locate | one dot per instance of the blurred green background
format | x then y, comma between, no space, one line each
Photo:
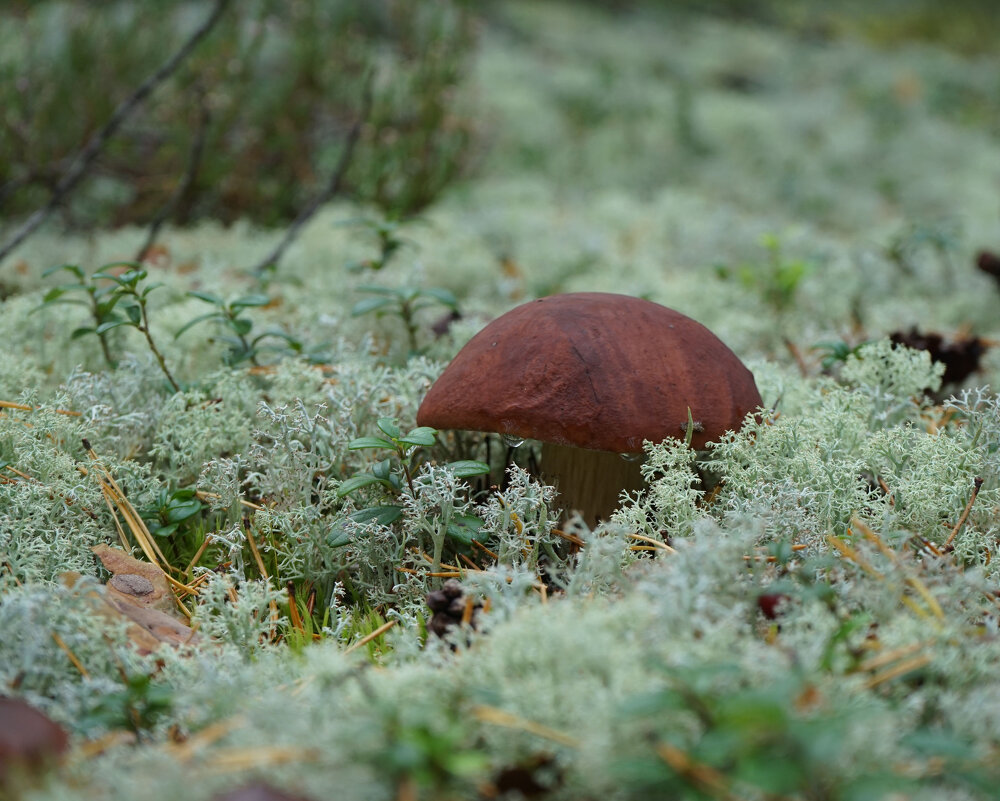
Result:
273,91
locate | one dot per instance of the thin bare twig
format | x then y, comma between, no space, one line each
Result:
333,185
976,486
85,159
194,164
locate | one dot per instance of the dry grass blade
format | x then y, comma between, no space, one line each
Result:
94,748
117,501
500,717
570,537
849,553
900,669
248,529
706,778
976,486
293,608
24,408
214,496
369,637
891,555
197,557
478,544
440,574
255,758
184,752
889,657
72,657
52,494
660,545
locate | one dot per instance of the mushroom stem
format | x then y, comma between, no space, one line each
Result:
589,482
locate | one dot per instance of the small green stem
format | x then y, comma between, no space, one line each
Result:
438,538
406,472
406,312
152,346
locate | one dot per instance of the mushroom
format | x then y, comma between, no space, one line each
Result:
592,376
29,740
257,791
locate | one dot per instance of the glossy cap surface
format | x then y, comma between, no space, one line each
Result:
593,370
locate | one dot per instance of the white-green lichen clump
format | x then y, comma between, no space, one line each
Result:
807,609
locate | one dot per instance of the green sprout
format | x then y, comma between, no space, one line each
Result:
404,303
171,509
122,302
776,280
229,314
99,301
395,474
389,242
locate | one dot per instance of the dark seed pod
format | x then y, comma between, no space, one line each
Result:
989,263
960,357
448,605
771,603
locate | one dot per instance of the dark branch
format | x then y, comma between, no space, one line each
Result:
82,163
333,185
194,164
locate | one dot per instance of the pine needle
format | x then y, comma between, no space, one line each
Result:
242,759
898,670
650,541
976,486
22,407
500,717
72,657
704,776
369,637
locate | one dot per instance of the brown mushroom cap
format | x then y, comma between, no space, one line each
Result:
593,370
28,738
257,791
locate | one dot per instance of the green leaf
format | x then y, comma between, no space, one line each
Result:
369,442
424,435
442,296
109,277
383,470
466,468
104,327
369,305
241,325
465,528
278,333
134,314
163,531
248,301
388,426
199,319
150,287
383,515
938,742
178,510
375,289
356,482
83,331
77,271
338,538
648,704
104,308
208,297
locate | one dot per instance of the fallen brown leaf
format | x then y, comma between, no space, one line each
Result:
136,582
